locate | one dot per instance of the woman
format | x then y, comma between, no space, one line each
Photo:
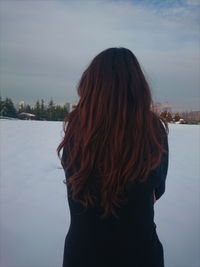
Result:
115,159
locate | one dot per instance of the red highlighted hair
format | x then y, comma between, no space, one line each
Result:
115,134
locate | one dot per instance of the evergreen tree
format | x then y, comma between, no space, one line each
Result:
43,111
1,103
37,110
8,109
61,112
4,110
64,112
28,109
22,108
51,110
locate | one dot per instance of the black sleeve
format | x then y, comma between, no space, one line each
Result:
63,158
64,162
160,189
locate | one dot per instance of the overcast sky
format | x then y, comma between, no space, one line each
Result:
46,45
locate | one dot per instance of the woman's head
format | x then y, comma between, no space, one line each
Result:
115,135
115,81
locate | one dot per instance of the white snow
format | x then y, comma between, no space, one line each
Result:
34,214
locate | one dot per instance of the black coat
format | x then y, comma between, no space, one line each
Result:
130,241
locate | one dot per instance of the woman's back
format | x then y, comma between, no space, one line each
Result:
130,240
115,158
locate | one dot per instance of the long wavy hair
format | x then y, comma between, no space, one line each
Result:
112,135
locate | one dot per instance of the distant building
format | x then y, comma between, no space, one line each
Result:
181,121
70,106
21,104
195,115
26,116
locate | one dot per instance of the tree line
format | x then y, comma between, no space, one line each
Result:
192,117
49,112
54,112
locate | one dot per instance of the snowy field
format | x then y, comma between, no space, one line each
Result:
34,214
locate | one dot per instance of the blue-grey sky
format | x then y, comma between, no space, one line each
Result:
46,45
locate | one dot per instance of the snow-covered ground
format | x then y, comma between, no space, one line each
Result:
34,214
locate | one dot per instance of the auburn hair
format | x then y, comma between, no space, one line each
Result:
112,136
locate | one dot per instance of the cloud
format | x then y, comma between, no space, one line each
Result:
46,45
